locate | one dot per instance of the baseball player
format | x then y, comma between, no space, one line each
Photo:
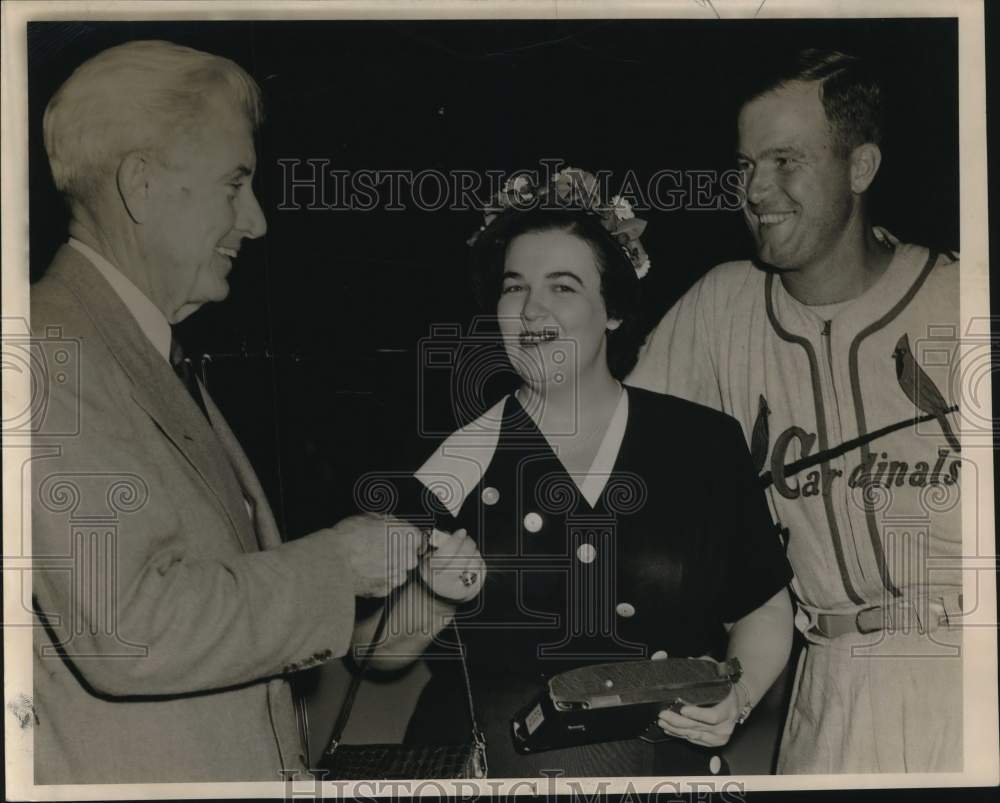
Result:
834,350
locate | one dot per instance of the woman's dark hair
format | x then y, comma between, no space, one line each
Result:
619,283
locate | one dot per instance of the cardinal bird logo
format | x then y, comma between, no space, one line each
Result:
760,438
921,390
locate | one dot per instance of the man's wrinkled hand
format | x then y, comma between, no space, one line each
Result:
380,552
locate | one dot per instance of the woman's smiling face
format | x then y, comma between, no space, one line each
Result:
551,310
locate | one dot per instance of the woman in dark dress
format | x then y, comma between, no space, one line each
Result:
593,522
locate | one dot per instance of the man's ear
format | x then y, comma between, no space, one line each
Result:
133,179
865,162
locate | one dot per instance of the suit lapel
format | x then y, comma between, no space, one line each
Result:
155,387
267,529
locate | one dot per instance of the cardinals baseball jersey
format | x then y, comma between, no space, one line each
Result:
850,416
850,413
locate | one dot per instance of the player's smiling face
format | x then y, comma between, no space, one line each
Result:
797,181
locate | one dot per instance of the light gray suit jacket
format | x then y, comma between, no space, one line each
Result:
168,616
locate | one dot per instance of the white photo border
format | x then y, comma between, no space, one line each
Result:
980,666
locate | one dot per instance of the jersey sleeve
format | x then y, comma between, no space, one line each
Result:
678,357
755,567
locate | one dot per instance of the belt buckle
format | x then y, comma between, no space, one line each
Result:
900,616
862,628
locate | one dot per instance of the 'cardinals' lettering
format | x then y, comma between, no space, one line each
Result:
879,469
806,439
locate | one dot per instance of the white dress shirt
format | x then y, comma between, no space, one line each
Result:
152,322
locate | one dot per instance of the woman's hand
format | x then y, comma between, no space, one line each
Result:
708,726
453,568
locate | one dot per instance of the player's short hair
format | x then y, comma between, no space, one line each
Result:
850,89
136,96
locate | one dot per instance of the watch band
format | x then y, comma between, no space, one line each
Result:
743,696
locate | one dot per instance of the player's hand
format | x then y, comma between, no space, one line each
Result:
453,568
707,726
380,551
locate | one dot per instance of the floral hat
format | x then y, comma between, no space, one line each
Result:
572,188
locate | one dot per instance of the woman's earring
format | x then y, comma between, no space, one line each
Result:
613,323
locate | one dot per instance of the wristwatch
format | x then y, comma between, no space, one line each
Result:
743,695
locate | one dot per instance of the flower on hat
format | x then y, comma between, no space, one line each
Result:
571,188
622,208
576,186
518,185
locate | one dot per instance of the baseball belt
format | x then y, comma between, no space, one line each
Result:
924,614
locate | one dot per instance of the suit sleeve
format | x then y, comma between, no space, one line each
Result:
678,357
137,600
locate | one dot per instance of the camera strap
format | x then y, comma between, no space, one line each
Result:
364,660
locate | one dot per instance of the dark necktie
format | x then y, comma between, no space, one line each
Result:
185,371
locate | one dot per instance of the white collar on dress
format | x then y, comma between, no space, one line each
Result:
458,465
600,470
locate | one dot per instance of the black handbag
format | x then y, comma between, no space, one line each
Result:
358,762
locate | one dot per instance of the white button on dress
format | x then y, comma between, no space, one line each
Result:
625,609
532,522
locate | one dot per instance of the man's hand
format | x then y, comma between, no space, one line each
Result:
453,569
380,552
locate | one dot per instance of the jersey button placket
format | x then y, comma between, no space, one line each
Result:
834,470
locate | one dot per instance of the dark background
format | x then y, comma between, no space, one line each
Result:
315,355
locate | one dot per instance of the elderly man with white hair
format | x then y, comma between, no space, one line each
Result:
169,611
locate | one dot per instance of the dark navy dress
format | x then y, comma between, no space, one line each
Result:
679,541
